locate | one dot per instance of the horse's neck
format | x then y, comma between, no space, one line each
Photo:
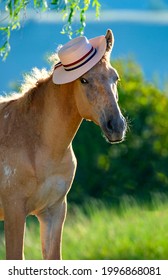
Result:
61,119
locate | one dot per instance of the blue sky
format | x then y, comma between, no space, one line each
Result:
135,4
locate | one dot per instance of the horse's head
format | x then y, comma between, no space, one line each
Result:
97,96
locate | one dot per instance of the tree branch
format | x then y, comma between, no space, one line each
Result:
68,8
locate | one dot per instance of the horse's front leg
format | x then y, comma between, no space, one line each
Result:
51,226
14,217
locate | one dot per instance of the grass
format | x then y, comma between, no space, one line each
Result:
96,231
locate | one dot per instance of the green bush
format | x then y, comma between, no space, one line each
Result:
136,167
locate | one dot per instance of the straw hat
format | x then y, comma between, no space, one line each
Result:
77,57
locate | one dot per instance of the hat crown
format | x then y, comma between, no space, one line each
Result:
77,57
74,50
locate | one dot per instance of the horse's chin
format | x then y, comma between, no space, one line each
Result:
113,138
113,141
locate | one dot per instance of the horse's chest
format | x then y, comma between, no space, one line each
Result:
49,192
54,186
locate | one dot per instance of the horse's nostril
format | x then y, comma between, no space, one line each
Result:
109,125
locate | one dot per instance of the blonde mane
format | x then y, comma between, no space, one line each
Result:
31,80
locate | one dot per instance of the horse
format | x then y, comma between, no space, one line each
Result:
37,162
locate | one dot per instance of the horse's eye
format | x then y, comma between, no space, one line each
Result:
84,81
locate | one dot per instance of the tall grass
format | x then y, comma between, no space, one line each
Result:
97,231
129,232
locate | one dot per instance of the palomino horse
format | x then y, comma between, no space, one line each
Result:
37,162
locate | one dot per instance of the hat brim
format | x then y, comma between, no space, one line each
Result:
61,76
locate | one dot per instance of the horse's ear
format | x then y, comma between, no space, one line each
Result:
110,40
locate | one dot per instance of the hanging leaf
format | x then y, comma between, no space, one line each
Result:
70,9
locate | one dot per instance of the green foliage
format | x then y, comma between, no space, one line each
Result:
15,9
136,167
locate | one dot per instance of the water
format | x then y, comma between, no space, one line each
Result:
146,43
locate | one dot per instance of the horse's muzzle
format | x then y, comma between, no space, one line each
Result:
114,129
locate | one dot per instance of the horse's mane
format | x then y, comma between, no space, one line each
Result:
37,76
31,81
